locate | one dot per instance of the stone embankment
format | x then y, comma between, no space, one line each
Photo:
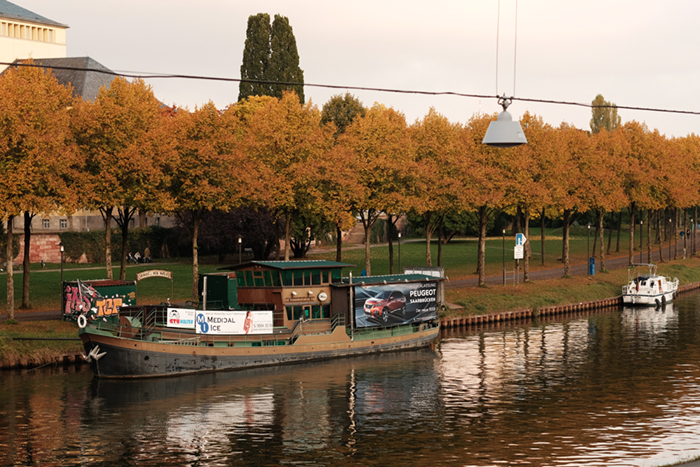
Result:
528,314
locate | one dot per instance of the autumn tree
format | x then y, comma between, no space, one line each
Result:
572,148
386,167
207,169
270,57
119,174
604,115
284,137
602,175
439,156
526,171
341,111
37,161
483,181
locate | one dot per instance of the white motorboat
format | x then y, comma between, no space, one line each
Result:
648,289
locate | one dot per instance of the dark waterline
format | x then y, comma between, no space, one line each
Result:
619,388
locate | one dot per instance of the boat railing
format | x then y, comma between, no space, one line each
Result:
337,320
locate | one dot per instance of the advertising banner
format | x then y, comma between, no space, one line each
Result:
233,322
181,318
393,304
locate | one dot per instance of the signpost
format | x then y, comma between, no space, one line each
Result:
519,253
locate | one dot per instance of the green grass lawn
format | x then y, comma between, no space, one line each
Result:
458,258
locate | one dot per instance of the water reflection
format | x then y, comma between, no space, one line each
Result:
617,388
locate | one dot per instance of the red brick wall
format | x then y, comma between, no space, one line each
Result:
44,246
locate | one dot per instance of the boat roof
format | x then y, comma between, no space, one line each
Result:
285,265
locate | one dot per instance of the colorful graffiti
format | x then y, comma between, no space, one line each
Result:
78,299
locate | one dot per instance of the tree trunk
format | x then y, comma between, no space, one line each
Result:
390,237
9,254
659,240
526,231
26,265
481,256
196,218
441,239
674,232
565,242
649,236
542,234
287,234
516,221
612,219
338,244
125,246
368,228
596,233
107,215
632,209
619,230
692,230
601,233
428,216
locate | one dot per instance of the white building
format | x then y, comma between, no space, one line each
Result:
24,34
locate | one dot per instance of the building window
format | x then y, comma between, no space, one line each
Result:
64,223
131,223
46,223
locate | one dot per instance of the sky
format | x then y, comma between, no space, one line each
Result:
636,53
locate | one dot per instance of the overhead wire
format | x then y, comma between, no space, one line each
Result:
148,75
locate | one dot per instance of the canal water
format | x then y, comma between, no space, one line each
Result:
615,388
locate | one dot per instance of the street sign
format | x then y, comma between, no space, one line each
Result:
520,239
519,251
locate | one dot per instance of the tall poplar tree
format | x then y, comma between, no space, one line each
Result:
270,56
603,115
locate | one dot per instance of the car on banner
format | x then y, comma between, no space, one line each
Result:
385,303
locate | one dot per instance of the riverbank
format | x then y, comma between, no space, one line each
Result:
468,306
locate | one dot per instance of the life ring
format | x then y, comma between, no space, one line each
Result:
82,321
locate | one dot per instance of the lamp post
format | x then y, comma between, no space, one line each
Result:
62,250
240,242
504,256
670,227
588,258
692,238
400,252
641,241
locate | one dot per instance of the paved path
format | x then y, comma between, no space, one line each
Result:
580,269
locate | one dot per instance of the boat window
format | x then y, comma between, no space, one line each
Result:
259,282
268,278
288,278
324,277
289,312
315,277
307,277
325,311
316,312
241,279
299,277
276,278
249,278
335,275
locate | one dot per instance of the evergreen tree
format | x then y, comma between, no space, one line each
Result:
604,115
256,56
284,59
270,55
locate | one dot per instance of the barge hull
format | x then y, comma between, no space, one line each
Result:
128,358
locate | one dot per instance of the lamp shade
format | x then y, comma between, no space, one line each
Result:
504,132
